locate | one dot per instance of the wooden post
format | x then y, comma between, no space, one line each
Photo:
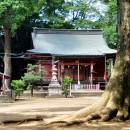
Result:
53,58
111,65
58,71
70,90
73,72
78,74
62,71
105,72
40,68
91,73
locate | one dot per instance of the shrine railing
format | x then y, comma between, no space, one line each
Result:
87,87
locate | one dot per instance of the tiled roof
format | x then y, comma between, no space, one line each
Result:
70,42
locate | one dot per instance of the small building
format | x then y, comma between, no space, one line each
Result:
79,54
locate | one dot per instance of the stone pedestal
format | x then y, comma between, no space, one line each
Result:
36,93
7,96
54,89
9,93
70,96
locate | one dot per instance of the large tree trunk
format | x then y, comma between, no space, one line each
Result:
7,58
115,101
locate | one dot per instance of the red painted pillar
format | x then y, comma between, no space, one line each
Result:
105,71
62,71
78,74
59,71
91,73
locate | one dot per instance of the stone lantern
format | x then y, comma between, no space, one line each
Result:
54,74
54,87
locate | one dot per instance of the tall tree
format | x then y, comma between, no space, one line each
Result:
53,15
69,14
81,13
12,13
115,101
110,24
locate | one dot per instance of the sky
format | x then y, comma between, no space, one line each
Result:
98,5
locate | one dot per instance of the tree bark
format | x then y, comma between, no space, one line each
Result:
7,58
115,101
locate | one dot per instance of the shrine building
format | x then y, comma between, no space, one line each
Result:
79,54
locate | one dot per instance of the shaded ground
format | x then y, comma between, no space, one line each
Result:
48,107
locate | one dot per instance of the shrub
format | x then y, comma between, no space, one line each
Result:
18,86
33,76
66,83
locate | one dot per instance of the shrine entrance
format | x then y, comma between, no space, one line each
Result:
83,70
72,71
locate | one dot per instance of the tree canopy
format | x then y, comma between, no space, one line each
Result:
110,24
12,14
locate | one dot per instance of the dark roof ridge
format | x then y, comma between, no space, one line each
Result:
68,31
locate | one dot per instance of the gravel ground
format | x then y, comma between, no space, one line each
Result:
25,108
46,105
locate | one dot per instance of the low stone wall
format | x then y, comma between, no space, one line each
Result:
6,99
7,96
86,93
36,93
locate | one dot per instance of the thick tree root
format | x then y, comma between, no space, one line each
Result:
24,119
104,110
90,112
104,115
21,121
79,121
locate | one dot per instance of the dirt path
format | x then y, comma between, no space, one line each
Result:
50,106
